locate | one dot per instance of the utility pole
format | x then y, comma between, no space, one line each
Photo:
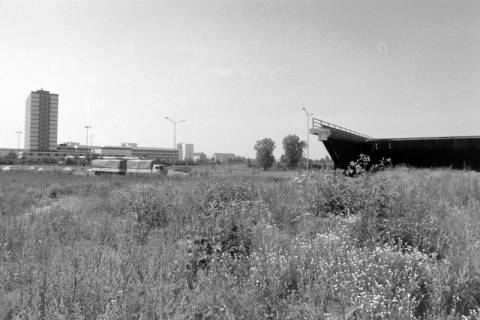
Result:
18,145
174,136
308,114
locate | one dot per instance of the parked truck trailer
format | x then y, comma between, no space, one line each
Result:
123,166
109,166
144,167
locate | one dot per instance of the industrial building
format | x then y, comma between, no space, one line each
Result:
41,121
165,154
72,149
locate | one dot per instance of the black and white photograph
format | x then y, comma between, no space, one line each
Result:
239,159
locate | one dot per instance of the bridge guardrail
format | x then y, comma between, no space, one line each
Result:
317,124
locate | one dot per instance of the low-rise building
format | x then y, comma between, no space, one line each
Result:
165,154
38,155
72,148
113,151
129,144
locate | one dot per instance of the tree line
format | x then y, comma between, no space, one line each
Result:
293,153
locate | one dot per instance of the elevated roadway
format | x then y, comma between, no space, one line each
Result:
345,145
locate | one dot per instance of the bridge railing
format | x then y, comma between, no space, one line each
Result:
317,124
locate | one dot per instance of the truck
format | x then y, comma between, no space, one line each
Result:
124,166
109,166
138,166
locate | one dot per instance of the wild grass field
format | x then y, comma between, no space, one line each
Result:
398,244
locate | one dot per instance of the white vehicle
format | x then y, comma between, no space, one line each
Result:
144,166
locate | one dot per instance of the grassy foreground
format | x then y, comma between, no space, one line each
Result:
398,244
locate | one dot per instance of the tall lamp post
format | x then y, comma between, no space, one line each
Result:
87,127
174,136
18,145
86,150
76,158
308,114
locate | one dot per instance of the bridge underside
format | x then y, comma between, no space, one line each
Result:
345,146
455,152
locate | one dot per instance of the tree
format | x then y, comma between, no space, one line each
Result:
264,149
202,157
12,156
293,148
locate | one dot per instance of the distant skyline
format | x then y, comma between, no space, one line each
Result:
239,71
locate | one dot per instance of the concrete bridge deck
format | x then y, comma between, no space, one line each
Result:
344,146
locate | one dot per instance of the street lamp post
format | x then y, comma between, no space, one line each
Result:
86,150
87,127
18,145
76,158
308,114
174,136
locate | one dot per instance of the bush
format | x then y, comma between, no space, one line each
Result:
334,193
150,206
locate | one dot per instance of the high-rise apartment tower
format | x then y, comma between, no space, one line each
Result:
180,151
41,121
185,151
188,151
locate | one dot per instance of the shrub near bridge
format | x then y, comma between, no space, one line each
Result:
413,210
332,193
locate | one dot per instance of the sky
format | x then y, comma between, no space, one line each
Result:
241,70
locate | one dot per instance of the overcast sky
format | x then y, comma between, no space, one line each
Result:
239,71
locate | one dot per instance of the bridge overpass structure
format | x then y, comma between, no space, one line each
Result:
345,145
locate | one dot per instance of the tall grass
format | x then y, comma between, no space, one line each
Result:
398,244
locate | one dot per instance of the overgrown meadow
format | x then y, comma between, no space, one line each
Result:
397,244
